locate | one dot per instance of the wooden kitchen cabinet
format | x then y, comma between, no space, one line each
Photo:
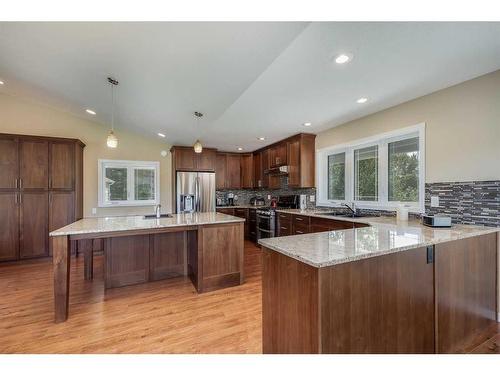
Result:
247,170
252,224
225,210
9,163
185,159
34,240
9,222
264,162
34,164
243,213
220,171
278,154
324,225
42,189
300,224
233,176
283,224
62,165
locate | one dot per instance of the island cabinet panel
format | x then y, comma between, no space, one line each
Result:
220,256
378,305
127,260
168,254
383,304
465,290
290,305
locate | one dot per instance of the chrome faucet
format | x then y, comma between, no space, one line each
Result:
351,208
158,211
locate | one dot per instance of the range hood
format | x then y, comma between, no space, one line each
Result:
282,170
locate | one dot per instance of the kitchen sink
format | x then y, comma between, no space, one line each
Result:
153,216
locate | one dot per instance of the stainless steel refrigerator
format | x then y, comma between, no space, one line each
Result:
195,192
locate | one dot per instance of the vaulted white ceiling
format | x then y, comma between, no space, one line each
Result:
249,79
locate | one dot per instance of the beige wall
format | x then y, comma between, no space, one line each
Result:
24,117
462,129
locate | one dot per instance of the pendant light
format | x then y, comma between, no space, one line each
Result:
112,141
198,148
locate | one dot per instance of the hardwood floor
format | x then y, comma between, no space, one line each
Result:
160,317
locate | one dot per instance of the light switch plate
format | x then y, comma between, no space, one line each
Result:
94,210
312,198
434,201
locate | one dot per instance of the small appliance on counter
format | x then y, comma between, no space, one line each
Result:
257,201
436,221
303,202
230,199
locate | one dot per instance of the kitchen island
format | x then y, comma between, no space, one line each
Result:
206,246
385,288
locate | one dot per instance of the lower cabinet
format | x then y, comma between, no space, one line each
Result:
34,241
252,224
226,210
243,213
9,222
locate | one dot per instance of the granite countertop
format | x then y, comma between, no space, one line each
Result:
242,206
385,235
124,223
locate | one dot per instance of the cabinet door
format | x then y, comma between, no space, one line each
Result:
247,171
34,167
264,162
9,222
167,255
220,171
257,170
61,209
274,182
9,163
227,211
34,224
300,224
278,154
62,156
294,163
206,160
233,177
185,159
284,227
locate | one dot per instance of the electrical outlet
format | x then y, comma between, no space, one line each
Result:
94,210
312,198
435,201
268,196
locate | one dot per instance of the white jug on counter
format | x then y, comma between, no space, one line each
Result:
402,212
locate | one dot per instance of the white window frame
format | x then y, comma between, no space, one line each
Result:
382,140
130,165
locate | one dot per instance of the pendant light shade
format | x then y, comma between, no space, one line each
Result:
198,148
112,141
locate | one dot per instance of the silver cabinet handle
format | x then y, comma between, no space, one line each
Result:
299,219
299,232
283,228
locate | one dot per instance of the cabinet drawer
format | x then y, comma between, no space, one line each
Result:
227,211
300,228
284,217
284,229
241,212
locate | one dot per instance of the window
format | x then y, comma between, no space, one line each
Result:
366,174
128,183
379,172
336,176
403,170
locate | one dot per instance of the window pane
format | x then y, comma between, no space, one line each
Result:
115,184
366,174
336,176
403,170
144,180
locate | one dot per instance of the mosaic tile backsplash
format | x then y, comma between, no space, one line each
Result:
476,202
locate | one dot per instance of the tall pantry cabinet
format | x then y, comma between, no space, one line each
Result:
41,189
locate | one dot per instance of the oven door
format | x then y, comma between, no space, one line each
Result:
265,226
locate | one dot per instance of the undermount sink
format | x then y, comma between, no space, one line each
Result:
343,214
153,216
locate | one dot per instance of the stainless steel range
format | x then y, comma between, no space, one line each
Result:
266,216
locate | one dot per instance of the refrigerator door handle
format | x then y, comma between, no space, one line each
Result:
197,194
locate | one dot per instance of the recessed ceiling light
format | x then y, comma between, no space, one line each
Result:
240,148
1,82
261,139
362,100
90,112
343,58
161,135
307,124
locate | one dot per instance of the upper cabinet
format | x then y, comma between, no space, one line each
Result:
278,154
9,163
185,159
62,155
247,171
34,164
